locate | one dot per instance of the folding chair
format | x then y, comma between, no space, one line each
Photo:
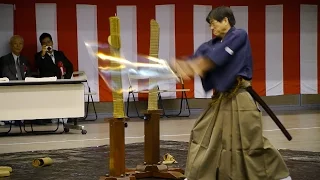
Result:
82,75
76,120
183,90
89,94
132,91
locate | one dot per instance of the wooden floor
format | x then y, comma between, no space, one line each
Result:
304,126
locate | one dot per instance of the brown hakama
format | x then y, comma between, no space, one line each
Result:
226,141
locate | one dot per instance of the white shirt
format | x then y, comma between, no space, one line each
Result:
15,57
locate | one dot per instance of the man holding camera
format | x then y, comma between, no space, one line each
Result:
52,62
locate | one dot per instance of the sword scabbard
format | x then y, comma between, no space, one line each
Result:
269,112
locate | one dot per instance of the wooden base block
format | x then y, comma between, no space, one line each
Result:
152,167
128,177
156,111
117,163
156,171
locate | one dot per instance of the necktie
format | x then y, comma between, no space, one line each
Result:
52,57
18,69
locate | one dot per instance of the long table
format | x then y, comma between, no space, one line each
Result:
23,100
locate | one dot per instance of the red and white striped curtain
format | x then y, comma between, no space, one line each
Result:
284,38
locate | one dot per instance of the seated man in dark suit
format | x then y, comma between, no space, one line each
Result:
14,66
52,62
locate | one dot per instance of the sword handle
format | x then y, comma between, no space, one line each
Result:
269,111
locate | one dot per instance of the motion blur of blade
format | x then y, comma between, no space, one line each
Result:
131,70
137,70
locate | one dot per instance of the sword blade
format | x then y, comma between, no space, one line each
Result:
269,111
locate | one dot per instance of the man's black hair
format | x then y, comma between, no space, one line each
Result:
45,35
219,13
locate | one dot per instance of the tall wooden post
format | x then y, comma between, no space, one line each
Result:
117,124
152,166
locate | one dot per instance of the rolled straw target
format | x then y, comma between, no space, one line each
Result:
41,162
4,173
5,168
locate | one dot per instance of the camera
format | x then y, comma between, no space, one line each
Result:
49,48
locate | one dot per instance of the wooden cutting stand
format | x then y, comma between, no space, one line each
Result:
152,166
118,123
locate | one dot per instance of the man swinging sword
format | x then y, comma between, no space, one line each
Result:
226,141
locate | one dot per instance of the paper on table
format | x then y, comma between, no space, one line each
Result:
4,79
43,79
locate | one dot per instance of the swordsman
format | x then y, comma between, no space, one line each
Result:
226,141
